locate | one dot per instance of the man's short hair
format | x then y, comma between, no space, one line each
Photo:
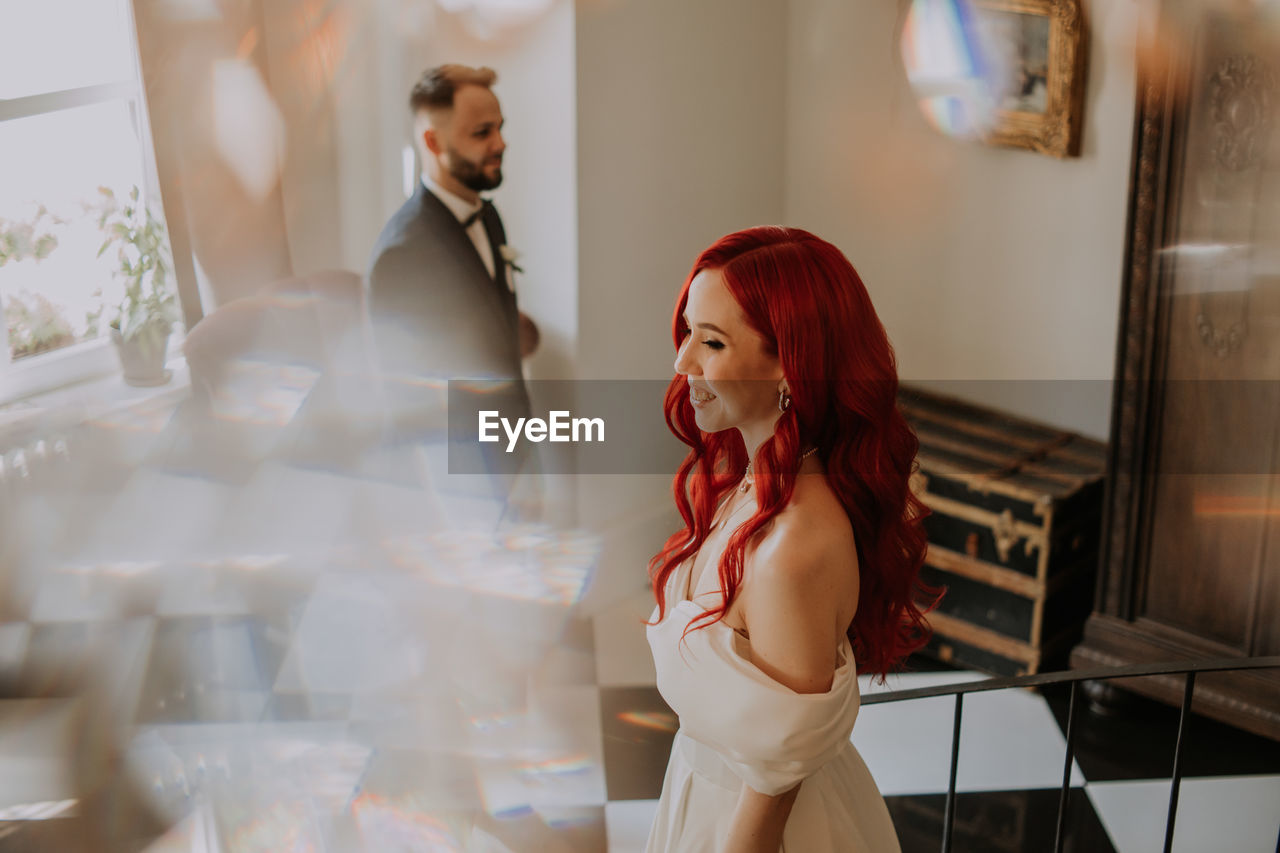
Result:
437,86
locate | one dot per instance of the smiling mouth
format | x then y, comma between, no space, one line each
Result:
699,397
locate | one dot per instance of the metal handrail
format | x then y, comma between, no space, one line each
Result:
1073,677
1171,668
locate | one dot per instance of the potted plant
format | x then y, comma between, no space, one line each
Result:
144,314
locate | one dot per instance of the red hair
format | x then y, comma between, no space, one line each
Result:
806,300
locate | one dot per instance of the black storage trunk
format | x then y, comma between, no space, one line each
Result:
1013,535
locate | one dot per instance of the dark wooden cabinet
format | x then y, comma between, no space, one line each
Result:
1190,563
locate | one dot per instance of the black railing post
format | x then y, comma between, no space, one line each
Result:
1060,837
949,816
1177,761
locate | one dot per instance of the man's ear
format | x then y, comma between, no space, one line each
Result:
431,140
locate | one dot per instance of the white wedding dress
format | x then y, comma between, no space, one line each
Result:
738,726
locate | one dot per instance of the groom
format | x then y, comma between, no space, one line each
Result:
440,288
439,280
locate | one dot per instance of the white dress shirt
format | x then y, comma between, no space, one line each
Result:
462,209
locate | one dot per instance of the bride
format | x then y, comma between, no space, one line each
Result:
800,554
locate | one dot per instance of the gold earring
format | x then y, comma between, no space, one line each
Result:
784,400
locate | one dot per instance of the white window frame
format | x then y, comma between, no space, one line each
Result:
90,359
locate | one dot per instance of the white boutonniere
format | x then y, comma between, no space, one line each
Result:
510,256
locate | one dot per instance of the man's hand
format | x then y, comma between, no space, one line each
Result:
529,336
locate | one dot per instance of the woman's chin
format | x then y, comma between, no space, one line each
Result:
705,422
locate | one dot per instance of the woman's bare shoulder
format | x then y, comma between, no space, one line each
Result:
810,542
800,591
814,521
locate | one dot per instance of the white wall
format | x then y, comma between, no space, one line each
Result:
679,143
984,263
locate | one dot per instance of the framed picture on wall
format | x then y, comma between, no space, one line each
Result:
1037,52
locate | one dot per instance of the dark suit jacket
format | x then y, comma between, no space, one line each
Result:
435,312
435,309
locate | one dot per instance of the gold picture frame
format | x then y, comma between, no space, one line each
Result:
1045,43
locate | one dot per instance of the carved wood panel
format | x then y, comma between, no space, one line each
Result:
1191,552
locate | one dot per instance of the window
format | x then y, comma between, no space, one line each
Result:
72,121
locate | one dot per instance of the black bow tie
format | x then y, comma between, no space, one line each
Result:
471,220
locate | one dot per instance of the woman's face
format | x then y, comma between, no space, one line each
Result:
733,380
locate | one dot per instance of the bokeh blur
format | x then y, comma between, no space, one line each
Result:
244,607
244,603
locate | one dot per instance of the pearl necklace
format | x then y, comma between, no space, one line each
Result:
746,475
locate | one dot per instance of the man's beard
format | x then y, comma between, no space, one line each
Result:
471,175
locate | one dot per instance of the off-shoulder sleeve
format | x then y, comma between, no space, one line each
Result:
771,736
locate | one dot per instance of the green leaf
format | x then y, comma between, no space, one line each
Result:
143,263
45,244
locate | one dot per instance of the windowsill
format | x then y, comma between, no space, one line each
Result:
33,416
